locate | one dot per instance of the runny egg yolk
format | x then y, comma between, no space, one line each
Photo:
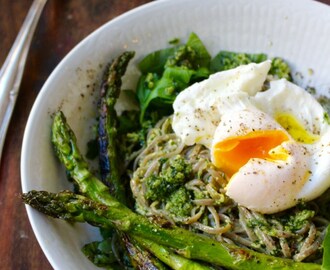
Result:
295,128
232,153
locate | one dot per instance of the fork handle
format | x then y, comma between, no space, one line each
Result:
12,70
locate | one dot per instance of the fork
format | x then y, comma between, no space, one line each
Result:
12,70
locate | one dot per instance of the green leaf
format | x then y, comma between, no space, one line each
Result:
143,90
203,57
326,251
100,253
180,75
167,72
155,61
225,60
163,92
166,89
200,74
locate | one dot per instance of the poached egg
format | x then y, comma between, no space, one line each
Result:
273,145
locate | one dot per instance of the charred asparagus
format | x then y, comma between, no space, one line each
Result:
77,208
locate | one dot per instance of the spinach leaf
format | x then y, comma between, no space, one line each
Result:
167,72
225,60
165,89
155,61
202,58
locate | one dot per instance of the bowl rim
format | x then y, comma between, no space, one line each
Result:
44,90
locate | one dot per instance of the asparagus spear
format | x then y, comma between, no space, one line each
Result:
73,207
110,89
170,258
141,259
66,149
65,146
108,154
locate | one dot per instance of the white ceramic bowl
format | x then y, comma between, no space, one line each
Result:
296,30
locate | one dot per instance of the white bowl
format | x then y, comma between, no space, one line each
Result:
296,30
